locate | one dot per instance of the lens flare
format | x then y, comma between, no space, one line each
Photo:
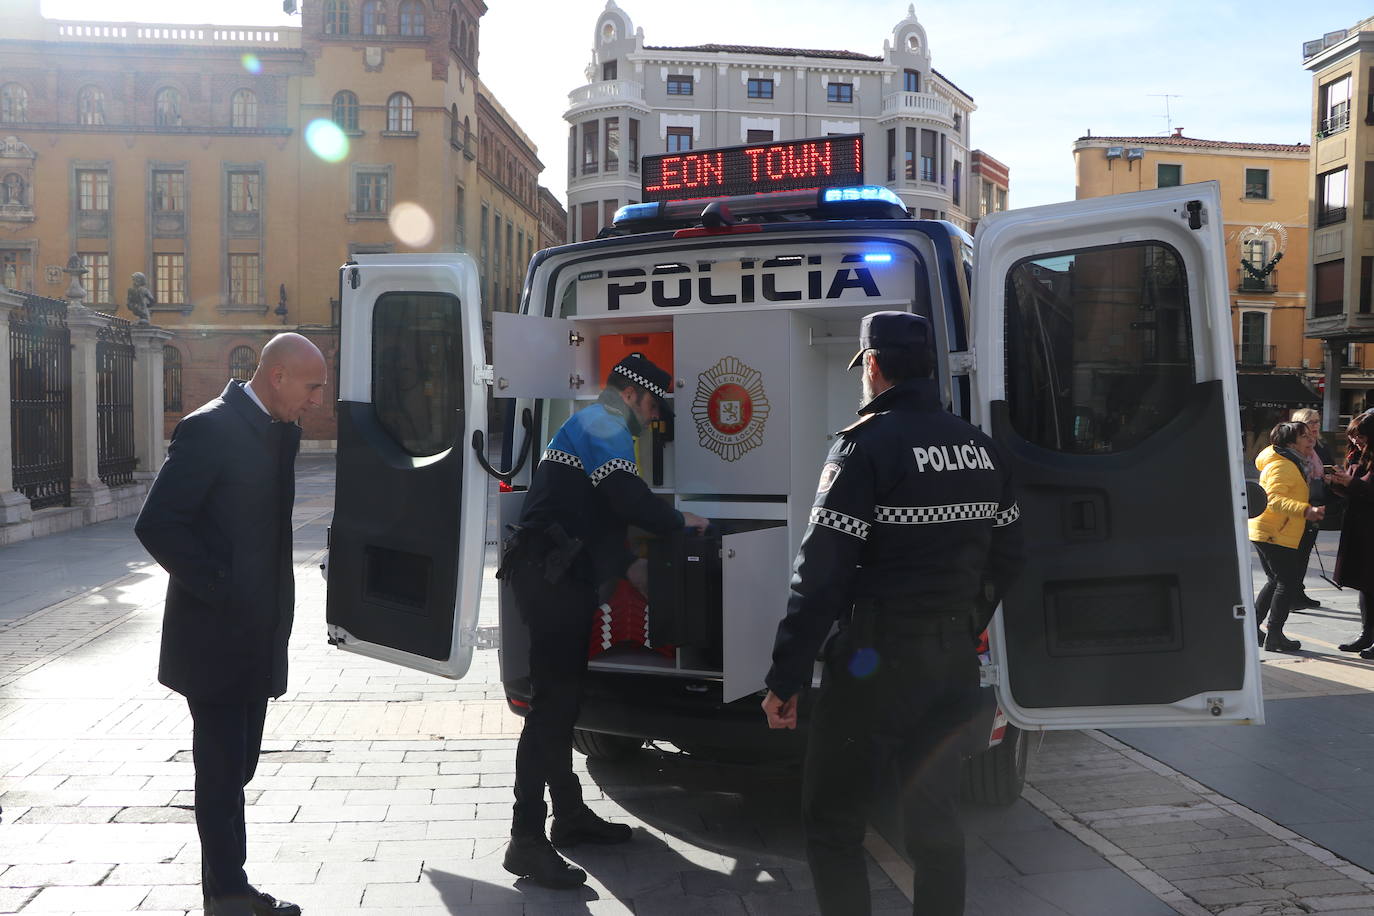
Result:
326,140
411,225
251,63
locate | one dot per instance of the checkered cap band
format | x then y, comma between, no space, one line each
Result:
641,381
934,515
553,454
1007,516
610,467
845,524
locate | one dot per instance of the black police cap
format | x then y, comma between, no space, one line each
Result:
890,331
639,369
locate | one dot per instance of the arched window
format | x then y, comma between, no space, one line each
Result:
346,110
453,29
90,105
462,39
400,112
242,362
453,127
14,104
374,18
167,108
243,109
336,17
467,133
171,379
412,18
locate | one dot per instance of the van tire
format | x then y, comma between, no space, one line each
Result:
997,775
603,746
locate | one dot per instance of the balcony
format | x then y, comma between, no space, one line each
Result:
144,33
1251,357
606,94
1246,283
922,105
1334,124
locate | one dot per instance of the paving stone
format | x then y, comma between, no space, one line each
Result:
86,899
13,899
70,873
68,814
161,815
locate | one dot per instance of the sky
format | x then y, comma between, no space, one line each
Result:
1042,72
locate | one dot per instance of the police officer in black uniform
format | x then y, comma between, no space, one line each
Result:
564,557
913,538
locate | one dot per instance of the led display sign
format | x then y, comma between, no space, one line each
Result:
820,162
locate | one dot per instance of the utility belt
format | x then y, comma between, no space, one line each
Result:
876,620
549,548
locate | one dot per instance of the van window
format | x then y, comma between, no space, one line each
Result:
417,388
1099,346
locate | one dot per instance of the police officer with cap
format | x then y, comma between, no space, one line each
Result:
563,558
913,537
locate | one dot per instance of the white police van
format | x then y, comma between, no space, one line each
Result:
1092,339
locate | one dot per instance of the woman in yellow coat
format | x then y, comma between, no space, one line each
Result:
1277,531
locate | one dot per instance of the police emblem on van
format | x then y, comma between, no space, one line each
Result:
730,408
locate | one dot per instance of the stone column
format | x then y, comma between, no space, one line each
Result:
1333,350
88,490
16,515
148,403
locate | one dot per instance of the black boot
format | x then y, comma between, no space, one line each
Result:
1365,641
587,827
1274,640
534,858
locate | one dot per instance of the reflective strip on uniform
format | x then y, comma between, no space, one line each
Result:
1007,516
615,464
553,454
845,524
935,515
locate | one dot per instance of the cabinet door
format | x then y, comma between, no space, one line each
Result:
754,578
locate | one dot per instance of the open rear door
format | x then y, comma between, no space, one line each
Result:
406,542
1105,369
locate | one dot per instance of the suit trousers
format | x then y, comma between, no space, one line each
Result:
904,705
559,616
226,739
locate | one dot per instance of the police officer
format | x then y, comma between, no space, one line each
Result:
913,538
565,556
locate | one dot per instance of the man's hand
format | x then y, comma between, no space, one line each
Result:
692,520
638,576
780,713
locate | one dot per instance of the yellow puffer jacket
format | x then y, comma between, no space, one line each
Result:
1282,522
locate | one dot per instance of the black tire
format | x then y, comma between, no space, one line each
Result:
997,775
602,746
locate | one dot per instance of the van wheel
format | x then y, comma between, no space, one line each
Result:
603,746
997,775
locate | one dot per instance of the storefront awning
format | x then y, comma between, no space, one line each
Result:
1277,390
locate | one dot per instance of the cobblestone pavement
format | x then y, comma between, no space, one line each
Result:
385,791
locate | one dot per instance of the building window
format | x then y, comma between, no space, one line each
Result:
911,81
680,85
839,92
1255,253
460,230
609,70
346,110
1257,184
958,181
245,280
892,154
167,108
760,89
243,192
679,139
1001,199
169,191
400,112
758,136
1366,282
93,189
612,151
1331,197
171,379
97,280
372,193
484,246
243,109
909,154
1334,107
1328,283
90,106
15,269
336,17
930,144
412,19
589,148
14,104
374,18
243,362
169,278
590,216
634,145
1253,327
1168,176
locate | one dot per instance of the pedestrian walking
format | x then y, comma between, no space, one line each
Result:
1278,530
218,519
563,559
913,539
1355,555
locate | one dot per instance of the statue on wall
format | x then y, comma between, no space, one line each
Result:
140,298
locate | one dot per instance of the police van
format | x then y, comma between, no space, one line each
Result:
1092,339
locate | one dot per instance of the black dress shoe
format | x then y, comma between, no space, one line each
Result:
1261,637
1276,642
587,827
264,904
1304,603
1358,645
536,859
1368,653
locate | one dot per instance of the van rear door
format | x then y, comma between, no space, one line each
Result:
1105,370
407,539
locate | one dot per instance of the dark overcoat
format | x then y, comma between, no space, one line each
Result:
1355,556
218,519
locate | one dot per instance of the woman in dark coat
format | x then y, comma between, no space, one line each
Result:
1355,557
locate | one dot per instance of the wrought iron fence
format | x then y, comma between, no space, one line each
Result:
41,401
114,404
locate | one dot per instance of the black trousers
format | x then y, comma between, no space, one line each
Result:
559,616
1309,541
226,739
910,711
1282,566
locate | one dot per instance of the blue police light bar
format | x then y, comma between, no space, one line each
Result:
633,212
862,192
878,258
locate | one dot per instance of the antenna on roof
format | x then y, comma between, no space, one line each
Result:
1168,116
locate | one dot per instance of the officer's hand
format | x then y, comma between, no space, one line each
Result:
780,713
638,576
692,520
